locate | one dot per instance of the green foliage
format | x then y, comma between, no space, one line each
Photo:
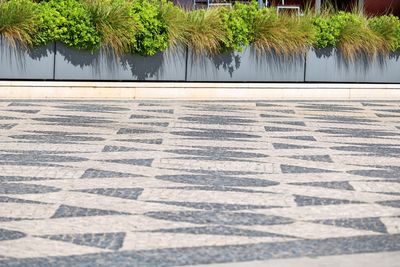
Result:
175,20
152,34
18,21
355,36
150,26
326,33
283,34
238,24
67,21
205,31
389,28
353,33
113,22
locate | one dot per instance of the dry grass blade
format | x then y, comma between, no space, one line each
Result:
113,22
284,35
358,39
175,19
205,31
18,21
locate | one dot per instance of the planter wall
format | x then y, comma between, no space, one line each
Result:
246,66
58,62
19,63
328,65
73,64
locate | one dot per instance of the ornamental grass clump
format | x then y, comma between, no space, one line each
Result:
284,34
353,34
175,20
18,21
356,38
113,22
205,31
388,27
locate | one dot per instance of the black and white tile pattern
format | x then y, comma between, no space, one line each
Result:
151,183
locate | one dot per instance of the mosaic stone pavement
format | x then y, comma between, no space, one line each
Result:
185,183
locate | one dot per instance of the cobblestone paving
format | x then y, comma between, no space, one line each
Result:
184,183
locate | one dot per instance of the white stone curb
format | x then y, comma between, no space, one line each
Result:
196,91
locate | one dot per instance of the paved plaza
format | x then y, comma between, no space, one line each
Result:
164,183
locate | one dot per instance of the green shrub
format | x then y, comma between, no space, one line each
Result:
151,34
67,21
238,24
18,21
389,28
326,33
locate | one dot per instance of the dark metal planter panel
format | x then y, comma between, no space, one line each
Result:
73,64
246,66
19,63
327,65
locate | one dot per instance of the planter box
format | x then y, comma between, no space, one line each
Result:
328,65
246,66
73,64
19,63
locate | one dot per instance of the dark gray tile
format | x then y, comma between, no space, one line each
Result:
112,241
222,218
128,193
320,158
215,206
391,203
281,129
209,180
300,169
65,211
219,230
370,224
6,199
300,137
316,201
137,162
215,134
342,185
94,173
289,146
19,188
10,235
135,131
219,120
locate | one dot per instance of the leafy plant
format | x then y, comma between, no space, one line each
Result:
326,33
152,34
18,21
238,24
113,22
388,27
66,21
205,31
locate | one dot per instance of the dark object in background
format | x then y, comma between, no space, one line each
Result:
372,7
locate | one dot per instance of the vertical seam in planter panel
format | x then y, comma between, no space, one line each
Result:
305,66
54,61
186,63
